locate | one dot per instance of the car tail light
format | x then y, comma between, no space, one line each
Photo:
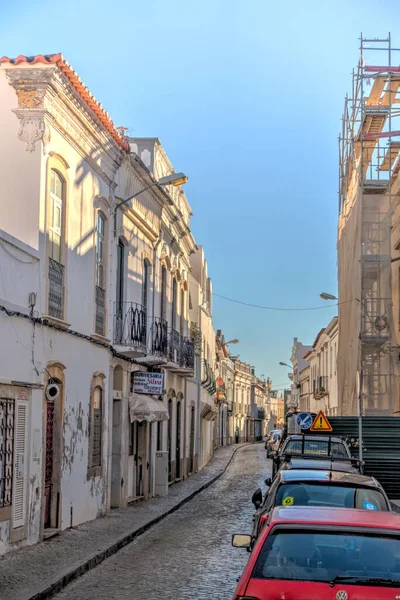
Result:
246,598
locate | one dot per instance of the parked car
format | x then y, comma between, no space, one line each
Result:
330,553
311,446
301,487
310,463
271,440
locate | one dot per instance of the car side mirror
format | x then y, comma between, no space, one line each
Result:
268,482
257,498
241,540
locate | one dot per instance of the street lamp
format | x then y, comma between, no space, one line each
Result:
235,341
326,296
175,179
283,364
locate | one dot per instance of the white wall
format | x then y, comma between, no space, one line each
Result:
20,174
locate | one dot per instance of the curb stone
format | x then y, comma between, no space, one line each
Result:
75,571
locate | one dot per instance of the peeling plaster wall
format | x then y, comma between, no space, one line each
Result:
86,497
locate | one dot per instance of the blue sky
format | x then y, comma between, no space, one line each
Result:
246,97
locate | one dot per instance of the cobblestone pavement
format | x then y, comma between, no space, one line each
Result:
189,554
30,571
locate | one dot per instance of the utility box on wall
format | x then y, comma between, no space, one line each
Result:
161,474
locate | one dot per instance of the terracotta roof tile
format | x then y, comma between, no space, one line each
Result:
77,84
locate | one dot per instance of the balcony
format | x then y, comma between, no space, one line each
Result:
156,352
208,378
320,387
130,329
180,354
168,349
255,412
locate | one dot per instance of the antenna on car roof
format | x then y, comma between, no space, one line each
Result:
330,471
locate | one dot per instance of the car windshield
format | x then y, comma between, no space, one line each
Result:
276,435
315,494
324,556
316,448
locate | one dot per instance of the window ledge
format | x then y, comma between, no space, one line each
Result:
94,472
5,513
56,321
101,338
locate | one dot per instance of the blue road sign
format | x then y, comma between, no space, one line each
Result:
304,420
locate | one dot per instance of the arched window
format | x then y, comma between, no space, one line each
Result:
56,245
163,307
174,302
120,274
145,283
100,237
96,425
182,312
100,274
57,193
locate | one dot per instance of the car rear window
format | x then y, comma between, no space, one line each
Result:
316,448
322,556
317,494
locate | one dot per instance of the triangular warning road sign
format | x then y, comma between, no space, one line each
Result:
321,423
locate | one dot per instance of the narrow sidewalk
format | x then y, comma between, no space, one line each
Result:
38,572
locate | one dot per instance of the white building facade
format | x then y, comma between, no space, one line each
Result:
224,374
204,386
323,370
93,299
298,361
54,297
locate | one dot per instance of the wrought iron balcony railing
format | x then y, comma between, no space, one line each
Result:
321,387
130,325
173,346
208,378
159,337
187,353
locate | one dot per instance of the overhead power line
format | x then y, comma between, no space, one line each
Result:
277,307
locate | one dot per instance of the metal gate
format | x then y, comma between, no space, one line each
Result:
49,461
381,447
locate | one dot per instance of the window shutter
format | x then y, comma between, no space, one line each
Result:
19,465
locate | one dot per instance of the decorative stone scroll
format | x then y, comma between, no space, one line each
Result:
32,130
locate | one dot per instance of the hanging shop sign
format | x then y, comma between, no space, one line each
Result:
148,383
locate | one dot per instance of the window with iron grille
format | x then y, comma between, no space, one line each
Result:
96,428
56,289
163,307
100,276
7,416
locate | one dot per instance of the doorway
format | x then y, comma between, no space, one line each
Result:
49,462
139,435
116,455
170,440
53,450
178,442
191,441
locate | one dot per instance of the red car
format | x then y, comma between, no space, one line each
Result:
323,554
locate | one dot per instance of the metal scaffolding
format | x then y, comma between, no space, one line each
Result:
369,148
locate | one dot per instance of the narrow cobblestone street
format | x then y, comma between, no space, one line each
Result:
188,555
